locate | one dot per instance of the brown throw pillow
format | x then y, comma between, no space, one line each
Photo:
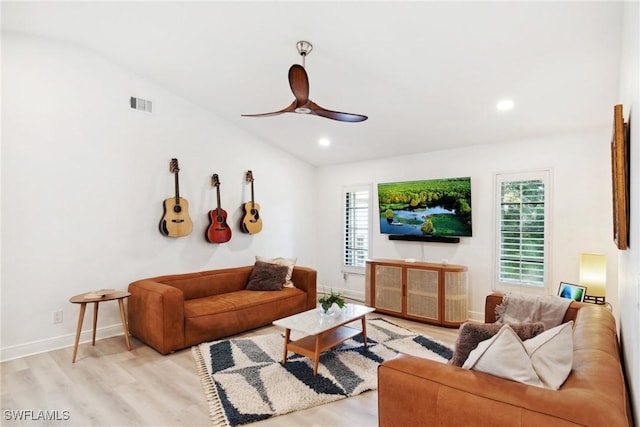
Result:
289,262
267,277
470,334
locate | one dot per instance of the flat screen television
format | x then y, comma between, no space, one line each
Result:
435,207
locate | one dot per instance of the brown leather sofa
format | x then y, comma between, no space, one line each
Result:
413,391
177,311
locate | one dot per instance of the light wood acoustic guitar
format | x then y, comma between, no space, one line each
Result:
175,221
218,231
251,223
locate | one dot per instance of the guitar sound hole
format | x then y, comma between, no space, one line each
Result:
177,208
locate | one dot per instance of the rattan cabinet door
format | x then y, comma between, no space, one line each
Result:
388,291
455,296
422,293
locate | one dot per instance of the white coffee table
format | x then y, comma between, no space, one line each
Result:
322,332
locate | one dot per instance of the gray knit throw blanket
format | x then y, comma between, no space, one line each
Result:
525,308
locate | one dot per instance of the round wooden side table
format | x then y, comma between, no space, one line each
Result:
83,301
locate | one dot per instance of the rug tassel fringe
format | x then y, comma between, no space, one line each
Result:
216,412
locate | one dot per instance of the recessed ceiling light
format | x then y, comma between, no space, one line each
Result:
505,105
324,142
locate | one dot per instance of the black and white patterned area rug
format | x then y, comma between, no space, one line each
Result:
245,381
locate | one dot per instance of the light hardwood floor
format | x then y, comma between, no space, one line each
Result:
110,386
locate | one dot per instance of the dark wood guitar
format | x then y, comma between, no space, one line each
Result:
175,221
251,223
218,231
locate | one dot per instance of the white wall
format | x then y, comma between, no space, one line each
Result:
580,208
629,275
84,177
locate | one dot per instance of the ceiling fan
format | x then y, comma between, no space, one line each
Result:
299,83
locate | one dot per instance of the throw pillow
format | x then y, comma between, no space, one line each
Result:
504,356
289,262
471,333
542,361
267,277
551,354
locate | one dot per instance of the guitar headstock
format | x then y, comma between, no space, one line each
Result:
173,166
215,182
249,176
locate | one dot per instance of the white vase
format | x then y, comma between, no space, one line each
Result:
328,312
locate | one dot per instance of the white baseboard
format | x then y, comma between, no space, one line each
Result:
347,293
55,343
64,341
477,316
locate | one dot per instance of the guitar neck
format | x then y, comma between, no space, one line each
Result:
218,197
252,200
177,188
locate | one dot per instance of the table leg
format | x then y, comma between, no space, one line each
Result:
364,331
95,322
287,335
316,358
83,306
123,316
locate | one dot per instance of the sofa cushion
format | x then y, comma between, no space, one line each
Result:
472,333
543,361
235,312
267,277
289,262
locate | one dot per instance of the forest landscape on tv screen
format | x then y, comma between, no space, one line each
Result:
435,207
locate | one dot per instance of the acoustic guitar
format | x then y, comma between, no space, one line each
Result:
175,221
251,223
218,231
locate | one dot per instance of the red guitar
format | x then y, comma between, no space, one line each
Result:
218,231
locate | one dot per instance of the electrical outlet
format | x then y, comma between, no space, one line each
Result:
57,316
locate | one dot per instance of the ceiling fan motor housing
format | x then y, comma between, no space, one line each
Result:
304,48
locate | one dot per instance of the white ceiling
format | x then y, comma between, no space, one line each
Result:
428,74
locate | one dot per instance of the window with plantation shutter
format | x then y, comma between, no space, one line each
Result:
522,225
356,228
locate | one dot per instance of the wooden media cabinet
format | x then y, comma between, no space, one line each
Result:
426,292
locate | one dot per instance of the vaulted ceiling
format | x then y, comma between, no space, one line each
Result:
427,74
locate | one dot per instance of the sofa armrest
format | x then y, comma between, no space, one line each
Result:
304,278
156,315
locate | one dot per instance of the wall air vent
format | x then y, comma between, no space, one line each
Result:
140,104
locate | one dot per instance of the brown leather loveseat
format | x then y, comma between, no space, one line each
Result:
420,392
177,311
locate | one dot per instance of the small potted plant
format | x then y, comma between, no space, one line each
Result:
327,300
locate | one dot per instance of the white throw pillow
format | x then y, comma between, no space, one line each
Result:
289,262
504,356
551,354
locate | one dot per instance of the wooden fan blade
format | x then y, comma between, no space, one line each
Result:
299,83
290,109
335,115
